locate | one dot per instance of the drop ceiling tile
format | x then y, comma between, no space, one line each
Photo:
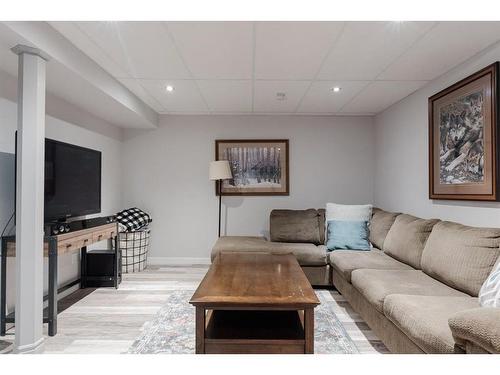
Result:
321,99
265,99
133,85
215,50
292,50
365,49
184,98
445,46
227,95
287,54
379,95
143,49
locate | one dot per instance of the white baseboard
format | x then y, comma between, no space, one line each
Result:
30,348
176,261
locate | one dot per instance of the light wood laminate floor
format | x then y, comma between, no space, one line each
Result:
107,321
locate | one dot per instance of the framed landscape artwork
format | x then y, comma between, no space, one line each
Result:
259,167
464,139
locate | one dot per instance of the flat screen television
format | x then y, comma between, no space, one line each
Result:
72,181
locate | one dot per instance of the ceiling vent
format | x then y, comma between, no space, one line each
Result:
280,96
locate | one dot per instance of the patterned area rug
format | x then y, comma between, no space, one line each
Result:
172,329
5,346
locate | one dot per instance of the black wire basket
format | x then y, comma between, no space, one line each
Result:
134,247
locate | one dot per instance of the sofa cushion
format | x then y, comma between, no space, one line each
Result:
461,256
424,319
407,237
376,285
379,226
301,226
307,254
346,261
478,327
239,243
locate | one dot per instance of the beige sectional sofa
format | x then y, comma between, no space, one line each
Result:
417,288
301,232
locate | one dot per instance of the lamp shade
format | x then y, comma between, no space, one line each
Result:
219,170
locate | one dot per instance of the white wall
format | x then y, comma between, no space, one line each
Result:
401,178
166,173
110,146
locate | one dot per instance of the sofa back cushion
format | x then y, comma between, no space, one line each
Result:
296,226
461,256
406,239
379,226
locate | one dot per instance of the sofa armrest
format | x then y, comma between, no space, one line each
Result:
477,330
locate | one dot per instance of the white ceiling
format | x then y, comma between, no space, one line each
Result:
238,67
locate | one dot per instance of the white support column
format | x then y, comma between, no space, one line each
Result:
30,198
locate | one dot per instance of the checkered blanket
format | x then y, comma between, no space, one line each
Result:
132,219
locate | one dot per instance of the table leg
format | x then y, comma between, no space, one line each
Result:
3,286
116,261
200,330
309,331
83,267
52,287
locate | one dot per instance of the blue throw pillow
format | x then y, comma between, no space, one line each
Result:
348,235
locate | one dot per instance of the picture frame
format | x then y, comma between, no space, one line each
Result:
464,139
259,166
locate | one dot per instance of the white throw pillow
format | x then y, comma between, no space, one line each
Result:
348,212
489,295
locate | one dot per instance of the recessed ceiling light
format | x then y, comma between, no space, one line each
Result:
170,88
335,89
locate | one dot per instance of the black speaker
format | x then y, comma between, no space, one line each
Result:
100,266
55,228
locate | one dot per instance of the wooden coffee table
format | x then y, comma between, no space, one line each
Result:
254,303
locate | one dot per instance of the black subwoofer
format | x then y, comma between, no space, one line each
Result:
100,268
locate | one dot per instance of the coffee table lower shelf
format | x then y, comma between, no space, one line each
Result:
254,331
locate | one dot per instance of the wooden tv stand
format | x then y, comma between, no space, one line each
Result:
54,246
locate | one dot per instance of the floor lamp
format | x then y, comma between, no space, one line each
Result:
218,171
